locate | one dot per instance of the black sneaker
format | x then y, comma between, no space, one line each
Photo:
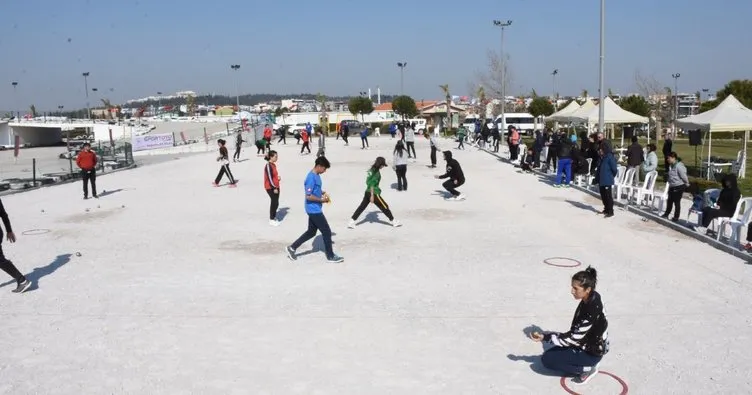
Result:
22,287
290,253
664,216
335,259
86,198
583,378
609,215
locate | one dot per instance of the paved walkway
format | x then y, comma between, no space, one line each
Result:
183,288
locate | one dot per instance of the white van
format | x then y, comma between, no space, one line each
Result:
524,122
420,124
469,123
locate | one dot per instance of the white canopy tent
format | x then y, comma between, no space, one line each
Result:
574,115
561,114
612,114
729,116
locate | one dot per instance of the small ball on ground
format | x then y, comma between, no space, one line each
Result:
78,254
87,210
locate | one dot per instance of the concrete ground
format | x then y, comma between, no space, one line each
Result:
183,288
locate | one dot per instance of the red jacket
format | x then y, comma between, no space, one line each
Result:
267,133
86,160
304,136
271,177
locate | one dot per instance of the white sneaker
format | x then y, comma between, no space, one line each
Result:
396,223
351,224
461,197
273,222
451,198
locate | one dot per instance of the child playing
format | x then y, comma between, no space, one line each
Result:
306,138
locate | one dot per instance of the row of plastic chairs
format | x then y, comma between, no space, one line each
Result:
741,217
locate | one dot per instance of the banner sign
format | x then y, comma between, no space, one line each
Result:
152,141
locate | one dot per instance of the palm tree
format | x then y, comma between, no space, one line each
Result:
445,89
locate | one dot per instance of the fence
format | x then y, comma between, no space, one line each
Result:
49,165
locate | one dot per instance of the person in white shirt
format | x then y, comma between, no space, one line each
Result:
434,148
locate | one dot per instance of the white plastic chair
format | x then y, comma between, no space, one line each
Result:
707,197
662,199
627,184
647,191
739,220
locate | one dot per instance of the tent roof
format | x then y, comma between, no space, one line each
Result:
570,108
574,115
729,116
612,114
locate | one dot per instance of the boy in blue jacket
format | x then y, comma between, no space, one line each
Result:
606,174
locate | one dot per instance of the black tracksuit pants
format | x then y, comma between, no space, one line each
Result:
450,186
607,197
433,156
674,201
305,147
236,156
274,203
8,266
89,176
411,147
378,201
225,169
401,171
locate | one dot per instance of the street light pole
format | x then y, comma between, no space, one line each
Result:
86,88
15,99
503,25
676,76
236,67
553,93
159,103
402,66
60,111
602,76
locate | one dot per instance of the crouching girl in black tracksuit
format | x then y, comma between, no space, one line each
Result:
455,175
579,351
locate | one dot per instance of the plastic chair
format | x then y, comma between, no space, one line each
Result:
625,184
584,180
662,199
707,198
647,191
739,220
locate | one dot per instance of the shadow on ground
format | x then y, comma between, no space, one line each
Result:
373,218
110,192
40,272
534,360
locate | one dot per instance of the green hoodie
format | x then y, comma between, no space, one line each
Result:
372,181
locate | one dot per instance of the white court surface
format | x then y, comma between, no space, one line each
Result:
182,288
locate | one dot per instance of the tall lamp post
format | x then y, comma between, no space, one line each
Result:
601,71
676,76
553,92
705,91
95,90
86,88
236,67
60,111
402,66
503,25
159,103
15,99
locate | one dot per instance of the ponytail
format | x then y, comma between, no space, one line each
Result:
270,155
587,278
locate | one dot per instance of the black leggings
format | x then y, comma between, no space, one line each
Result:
450,186
364,141
378,201
260,148
433,155
411,147
282,138
552,156
709,214
8,266
461,144
607,197
401,171
275,203
225,169
237,152
305,147
674,200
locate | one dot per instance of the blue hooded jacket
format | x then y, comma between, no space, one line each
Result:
607,169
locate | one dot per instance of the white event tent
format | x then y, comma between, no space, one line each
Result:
612,114
561,114
729,116
574,115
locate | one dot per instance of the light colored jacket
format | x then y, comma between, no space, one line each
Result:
651,162
677,175
400,160
409,135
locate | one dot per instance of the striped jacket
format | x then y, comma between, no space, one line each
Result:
271,177
589,330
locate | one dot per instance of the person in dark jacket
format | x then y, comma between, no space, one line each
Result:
224,159
538,145
6,265
605,176
725,206
565,161
579,351
496,136
553,144
238,146
668,146
87,162
455,177
635,157
485,133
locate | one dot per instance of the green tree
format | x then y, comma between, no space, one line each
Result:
741,89
404,106
636,104
540,106
360,105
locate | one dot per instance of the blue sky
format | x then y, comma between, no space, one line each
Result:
338,47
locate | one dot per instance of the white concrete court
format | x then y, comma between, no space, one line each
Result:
183,288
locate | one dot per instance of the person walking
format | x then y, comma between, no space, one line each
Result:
579,351
306,140
271,185
400,165
635,157
565,161
677,183
322,143
455,177
346,134
224,159
238,146
373,194
364,138
461,134
282,131
87,162
434,148
268,132
22,283
410,141
725,205
314,197
605,175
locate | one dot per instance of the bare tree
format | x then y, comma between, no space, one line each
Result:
649,87
490,80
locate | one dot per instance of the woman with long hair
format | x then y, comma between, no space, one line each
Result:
271,185
400,165
373,194
224,159
579,351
